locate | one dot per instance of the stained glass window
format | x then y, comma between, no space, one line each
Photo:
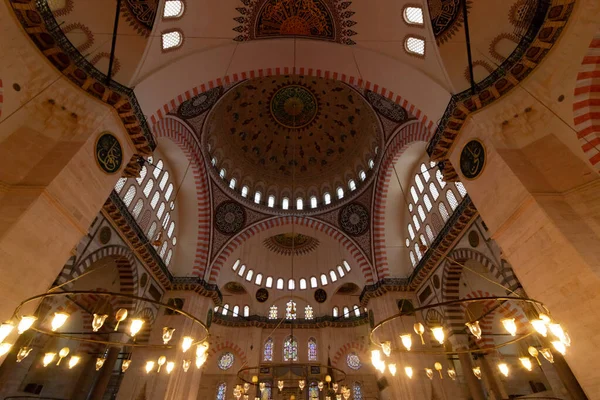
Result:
222,391
290,349
225,361
353,361
268,350
313,391
266,394
290,310
357,391
308,312
312,349
273,312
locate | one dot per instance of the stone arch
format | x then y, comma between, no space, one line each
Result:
180,134
266,224
454,315
410,133
587,101
228,345
343,350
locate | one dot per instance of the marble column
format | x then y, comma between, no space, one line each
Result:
473,384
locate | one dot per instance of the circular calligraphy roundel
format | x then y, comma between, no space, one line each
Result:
109,153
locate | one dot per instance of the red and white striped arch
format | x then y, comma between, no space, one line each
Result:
349,347
227,345
333,232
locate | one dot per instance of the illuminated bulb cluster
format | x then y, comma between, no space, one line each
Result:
544,325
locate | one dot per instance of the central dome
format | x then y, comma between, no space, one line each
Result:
292,136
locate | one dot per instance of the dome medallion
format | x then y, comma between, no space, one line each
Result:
294,106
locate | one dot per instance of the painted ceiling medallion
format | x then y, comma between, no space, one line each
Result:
286,243
294,106
354,219
320,295
230,217
446,18
200,103
109,153
317,19
140,14
387,108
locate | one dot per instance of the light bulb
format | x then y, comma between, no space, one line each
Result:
547,355
319,385
125,365
48,358
170,367
280,385
161,361
477,372
533,352
200,360
62,354
136,326
5,348
452,374
560,347
254,379
438,368
186,365
545,318
98,321
5,330
409,372
387,348
25,323
503,367
526,362
406,341
328,378
438,334
510,326
429,373
23,353
540,327
120,317
100,363
167,334
392,368
560,334
59,320
73,361
149,366
187,342
475,329
419,330
301,384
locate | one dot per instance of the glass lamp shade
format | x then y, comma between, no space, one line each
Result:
62,354
381,366
392,368
59,320
5,348
186,365
452,374
338,397
477,372
328,378
429,373
73,361
301,384
149,366
167,334
319,385
170,367
533,352
547,355
475,329
98,321
23,353
438,368
406,341
136,326
100,363
540,326
48,358
5,330
559,333
200,360
419,330
503,367
335,387
237,392
161,361
26,322
510,326
386,347
120,316
545,318
262,386
280,385
526,363
125,365
409,372
438,334
560,347
246,387
254,379
201,349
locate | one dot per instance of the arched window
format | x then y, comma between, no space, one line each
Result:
258,280
299,203
443,212
268,350
429,233
451,199
346,265
412,259
313,282
152,230
173,9
168,259
356,311
269,282
336,311
171,230
434,192
257,197
245,191
143,173
222,173
161,210
371,164
249,275
158,169
421,213
236,264
340,193
308,312
440,178
242,270
271,201
290,349
291,284
236,311
327,198
129,195
290,310
163,249
164,180
171,40
346,312
416,222
411,233
120,184
419,184
332,276
414,16
362,175
323,280
285,203
222,391
154,201
425,173
351,184
313,202
357,391
414,195
415,45
213,161
302,284
138,208
148,188
340,271
232,183
246,311
312,349
280,284
225,309
461,189
418,251
422,238
273,312
427,202
169,192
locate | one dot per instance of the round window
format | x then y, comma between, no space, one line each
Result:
353,361
225,361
